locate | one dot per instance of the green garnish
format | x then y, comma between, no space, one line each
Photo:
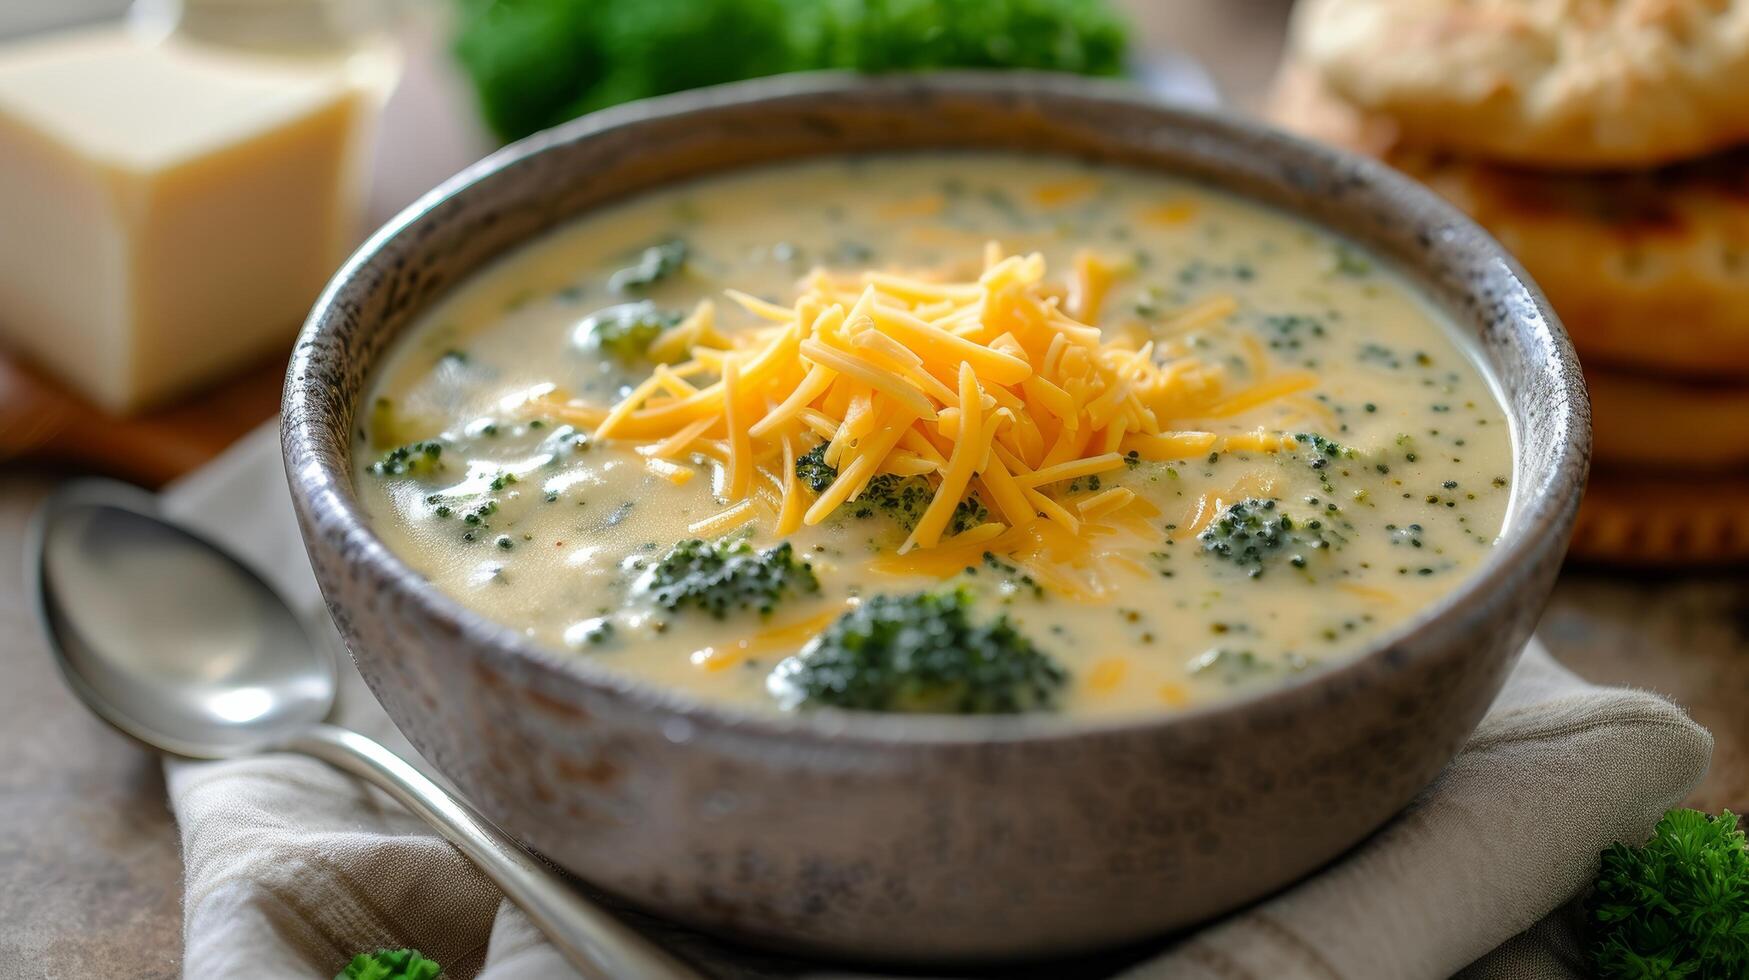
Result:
413,459
920,653
905,498
1318,451
1235,666
812,469
390,964
654,264
537,63
902,498
1013,580
1254,534
1676,906
1351,263
598,632
626,331
726,575
1083,36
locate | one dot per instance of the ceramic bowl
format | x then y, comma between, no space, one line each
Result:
920,838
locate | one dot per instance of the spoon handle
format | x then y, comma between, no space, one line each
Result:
592,940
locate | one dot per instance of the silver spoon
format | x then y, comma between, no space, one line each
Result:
167,637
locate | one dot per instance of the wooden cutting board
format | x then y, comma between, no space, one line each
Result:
41,421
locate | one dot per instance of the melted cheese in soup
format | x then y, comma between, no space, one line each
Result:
1303,457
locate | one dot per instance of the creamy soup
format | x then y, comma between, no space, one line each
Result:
950,434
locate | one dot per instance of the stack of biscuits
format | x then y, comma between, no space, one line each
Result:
1605,143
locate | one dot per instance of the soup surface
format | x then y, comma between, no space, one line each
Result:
1269,452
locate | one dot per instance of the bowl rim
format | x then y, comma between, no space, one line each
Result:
328,507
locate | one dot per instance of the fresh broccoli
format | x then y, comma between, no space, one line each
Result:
654,264
1083,36
725,575
905,498
902,498
1319,452
413,459
624,332
967,514
812,469
1677,905
1323,456
920,653
390,964
1254,534
536,63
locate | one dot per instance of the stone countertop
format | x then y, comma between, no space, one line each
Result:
90,868
89,862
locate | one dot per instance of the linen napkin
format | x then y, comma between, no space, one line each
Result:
291,867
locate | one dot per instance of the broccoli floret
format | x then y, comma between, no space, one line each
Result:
529,60
1254,534
905,498
902,498
1677,905
813,470
904,35
920,653
390,964
413,459
969,513
1318,451
654,264
536,63
1321,455
624,332
726,575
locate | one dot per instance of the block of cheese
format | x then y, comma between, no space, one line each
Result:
168,210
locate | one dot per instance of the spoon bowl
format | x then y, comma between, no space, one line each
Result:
168,637
175,642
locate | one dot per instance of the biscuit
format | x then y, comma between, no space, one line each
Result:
1649,271
1666,520
1663,426
1299,100
1567,84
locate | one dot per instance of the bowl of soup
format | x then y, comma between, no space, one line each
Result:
941,517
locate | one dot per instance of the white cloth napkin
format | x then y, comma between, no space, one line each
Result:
292,867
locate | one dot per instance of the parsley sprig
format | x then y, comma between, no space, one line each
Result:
1676,906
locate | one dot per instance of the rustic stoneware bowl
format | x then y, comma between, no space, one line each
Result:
906,837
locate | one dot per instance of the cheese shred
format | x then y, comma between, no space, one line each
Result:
995,387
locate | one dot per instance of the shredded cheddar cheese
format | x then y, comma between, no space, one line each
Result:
989,386
1107,674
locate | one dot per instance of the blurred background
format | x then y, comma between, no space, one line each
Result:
143,327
